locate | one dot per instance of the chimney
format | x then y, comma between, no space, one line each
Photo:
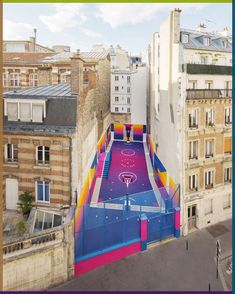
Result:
201,28
175,16
33,41
76,73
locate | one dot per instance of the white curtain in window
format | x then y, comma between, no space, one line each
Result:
12,111
25,111
37,113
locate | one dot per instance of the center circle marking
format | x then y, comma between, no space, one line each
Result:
128,152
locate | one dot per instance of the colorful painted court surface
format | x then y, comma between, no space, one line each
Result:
128,164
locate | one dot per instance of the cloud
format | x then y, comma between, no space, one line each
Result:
91,33
16,30
118,14
66,16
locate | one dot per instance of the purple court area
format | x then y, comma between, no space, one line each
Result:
128,160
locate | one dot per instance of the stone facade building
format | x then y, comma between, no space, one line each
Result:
51,132
190,117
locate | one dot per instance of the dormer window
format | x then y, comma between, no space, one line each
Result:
225,43
184,38
26,110
206,41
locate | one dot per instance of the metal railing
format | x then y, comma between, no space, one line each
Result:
208,93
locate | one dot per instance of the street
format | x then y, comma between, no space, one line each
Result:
166,267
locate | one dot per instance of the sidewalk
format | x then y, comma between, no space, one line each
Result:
168,266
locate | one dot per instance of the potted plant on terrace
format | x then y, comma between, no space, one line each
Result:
25,204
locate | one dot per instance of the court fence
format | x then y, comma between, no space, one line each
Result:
116,228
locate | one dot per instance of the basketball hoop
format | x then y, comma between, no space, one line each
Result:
127,179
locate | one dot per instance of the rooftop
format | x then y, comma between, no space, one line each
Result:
61,110
58,90
65,56
196,41
25,57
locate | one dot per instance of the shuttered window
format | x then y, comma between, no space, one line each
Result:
12,111
228,145
25,111
37,113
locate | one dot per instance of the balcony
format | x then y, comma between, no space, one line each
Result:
208,93
209,155
208,186
207,69
193,126
193,157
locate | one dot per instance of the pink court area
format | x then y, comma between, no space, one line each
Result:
128,162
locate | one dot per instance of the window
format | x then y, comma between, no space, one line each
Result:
33,80
128,109
43,191
46,220
228,175
209,117
37,113
116,78
193,118
4,80
116,88
228,145
14,80
128,89
208,206
116,109
209,179
228,115
227,201
209,150
225,43
209,85
116,99
25,111
11,153
128,79
192,84
128,100
206,41
193,182
43,155
204,60
184,38
228,89
12,111
193,150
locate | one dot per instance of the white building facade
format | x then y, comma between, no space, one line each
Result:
190,105
128,88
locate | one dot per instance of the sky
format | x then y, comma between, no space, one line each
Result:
130,25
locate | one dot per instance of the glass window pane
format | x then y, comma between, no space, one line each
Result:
39,221
47,221
47,191
40,158
40,190
57,220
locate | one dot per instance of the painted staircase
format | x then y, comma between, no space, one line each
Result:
107,165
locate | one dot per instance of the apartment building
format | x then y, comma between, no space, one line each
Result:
190,115
51,133
128,87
